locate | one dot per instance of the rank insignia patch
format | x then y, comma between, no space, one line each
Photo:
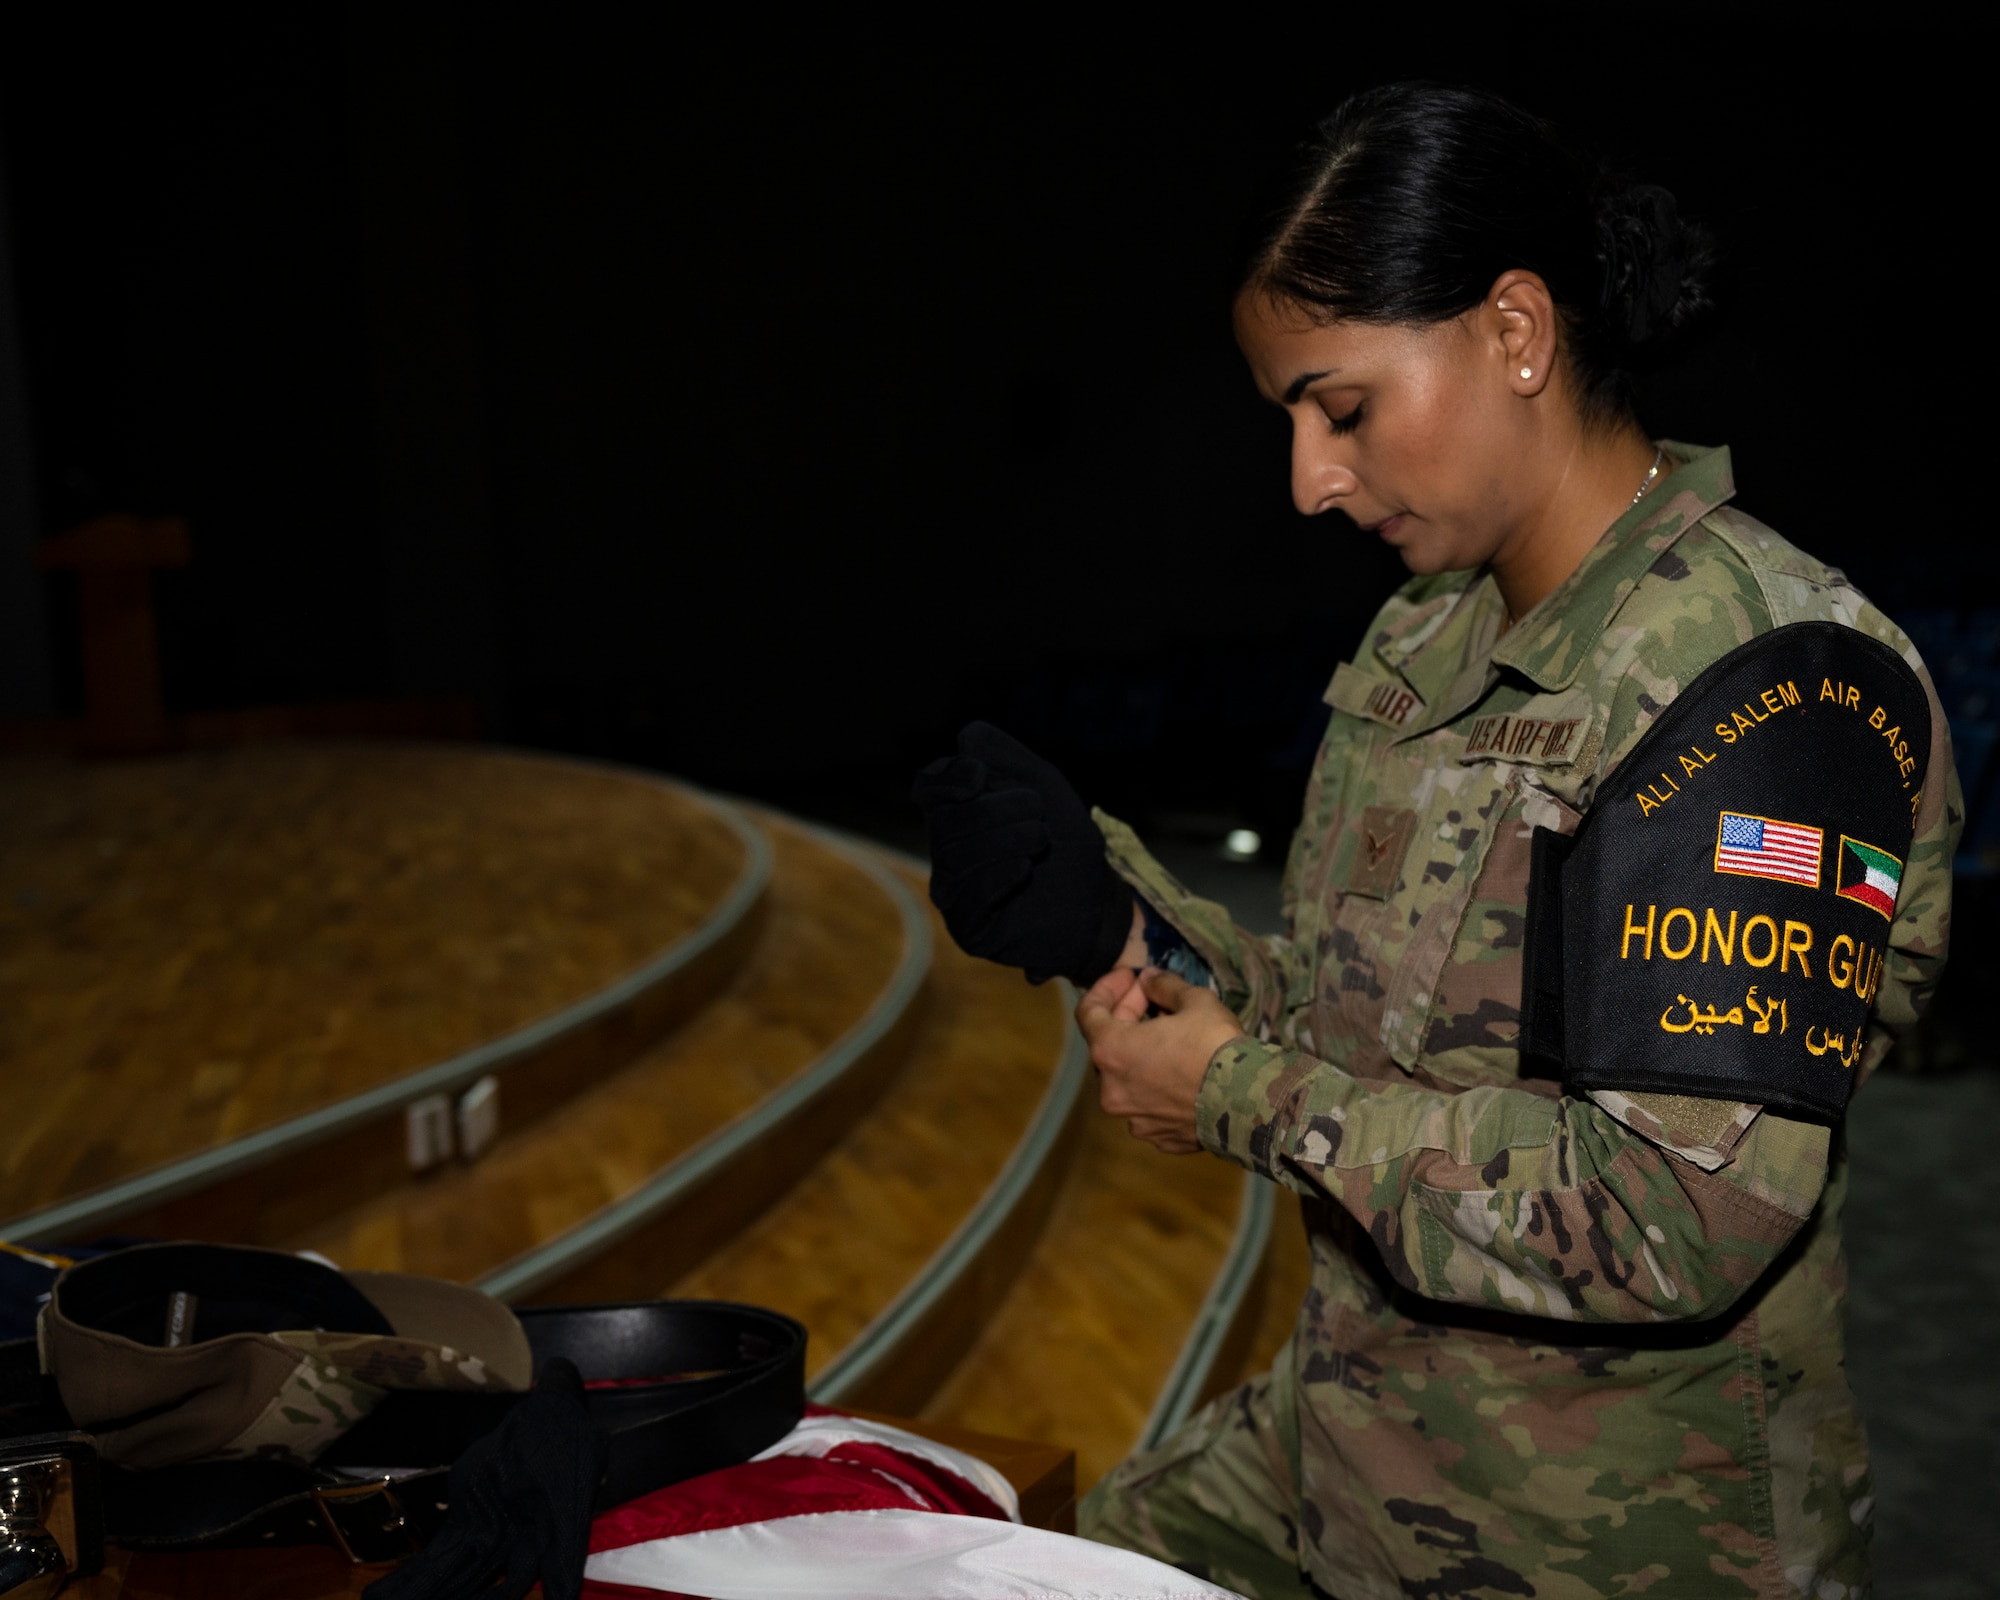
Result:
1869,875
1759,847
1715,926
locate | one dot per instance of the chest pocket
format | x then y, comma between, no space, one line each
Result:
1399,872
1447,850
1509,764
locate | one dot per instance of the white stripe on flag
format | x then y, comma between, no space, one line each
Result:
1799,857
1764,865
815,1436
893,1555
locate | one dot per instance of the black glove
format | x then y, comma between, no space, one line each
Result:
1017,866
520,1505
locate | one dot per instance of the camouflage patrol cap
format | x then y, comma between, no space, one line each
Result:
1719,922
192,1352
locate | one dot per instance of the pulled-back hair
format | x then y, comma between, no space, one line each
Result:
1411,199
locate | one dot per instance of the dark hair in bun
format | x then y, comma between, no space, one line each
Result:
1412,198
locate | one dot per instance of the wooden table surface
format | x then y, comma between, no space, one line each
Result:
1042,1475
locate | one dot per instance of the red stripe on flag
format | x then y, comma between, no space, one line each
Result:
1869,895
1801,857
1753,864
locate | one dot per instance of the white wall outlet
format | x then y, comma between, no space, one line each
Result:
427,1131
479,1117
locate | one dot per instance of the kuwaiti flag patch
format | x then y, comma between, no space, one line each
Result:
1870,875
1763,847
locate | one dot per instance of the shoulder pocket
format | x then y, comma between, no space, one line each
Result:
1450,847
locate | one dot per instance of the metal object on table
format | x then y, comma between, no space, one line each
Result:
51,1510
366,1522
32,1564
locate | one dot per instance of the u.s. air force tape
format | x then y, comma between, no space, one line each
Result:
1718,923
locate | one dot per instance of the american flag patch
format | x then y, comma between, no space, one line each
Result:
1758,847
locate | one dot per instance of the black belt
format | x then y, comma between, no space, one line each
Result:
699,1385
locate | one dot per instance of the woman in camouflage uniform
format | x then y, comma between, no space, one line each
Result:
1558,1342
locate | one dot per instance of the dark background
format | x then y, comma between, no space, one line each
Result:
759,408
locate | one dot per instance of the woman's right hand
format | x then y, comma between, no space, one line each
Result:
1017,865
1152,1037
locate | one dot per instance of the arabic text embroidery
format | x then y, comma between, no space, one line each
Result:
1706,1021
1835,1045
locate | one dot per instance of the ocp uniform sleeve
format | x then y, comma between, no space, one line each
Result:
1507,1198
1611,1207
1493,1196
1259,977
1619,1206
1502,1197
1921,935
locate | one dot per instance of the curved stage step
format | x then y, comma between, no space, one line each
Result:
652,1169
1082,1346
288,938
897,1244
809,1099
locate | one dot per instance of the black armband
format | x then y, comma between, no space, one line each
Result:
1718,923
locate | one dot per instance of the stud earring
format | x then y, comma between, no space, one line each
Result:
1527,372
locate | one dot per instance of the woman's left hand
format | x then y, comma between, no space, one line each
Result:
1150,1071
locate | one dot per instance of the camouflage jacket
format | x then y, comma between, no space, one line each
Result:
1554,1345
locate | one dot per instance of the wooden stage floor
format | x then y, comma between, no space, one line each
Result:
195,947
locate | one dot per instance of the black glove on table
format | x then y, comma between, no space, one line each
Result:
1017,866
520,1504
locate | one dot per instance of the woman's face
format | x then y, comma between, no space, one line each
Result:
1410,430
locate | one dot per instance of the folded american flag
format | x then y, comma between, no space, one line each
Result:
847,1509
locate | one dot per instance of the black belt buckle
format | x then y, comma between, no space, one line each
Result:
366,1521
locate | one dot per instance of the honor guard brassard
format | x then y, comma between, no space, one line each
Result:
1717,924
